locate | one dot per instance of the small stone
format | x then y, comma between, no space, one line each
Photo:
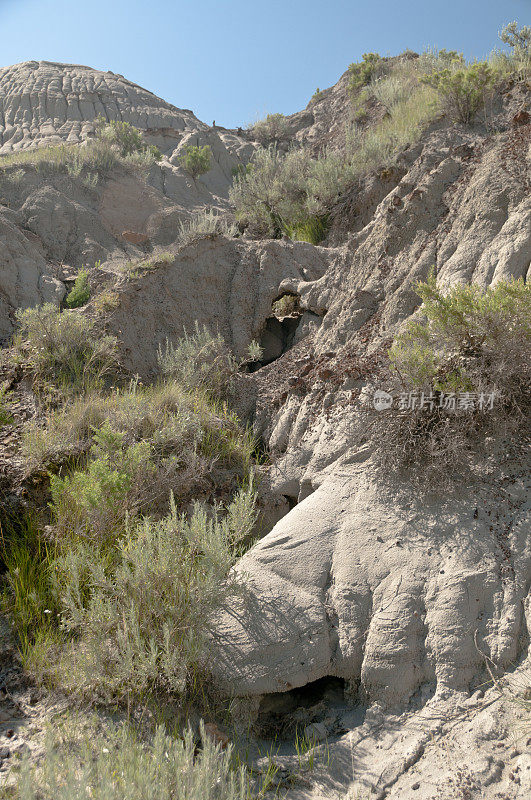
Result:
514,753
416,786
10,733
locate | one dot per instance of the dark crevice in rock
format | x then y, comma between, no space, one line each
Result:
276,339
282,713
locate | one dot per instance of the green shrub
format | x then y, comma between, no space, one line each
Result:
281,192
92,503
195,160
136,612
84,762
363,71
463,91
80,292
63,349
271,130
466,343
126,138
205,224
199,361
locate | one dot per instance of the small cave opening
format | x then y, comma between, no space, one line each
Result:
278,334
281,714
291,501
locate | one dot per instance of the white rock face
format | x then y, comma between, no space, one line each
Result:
43,103
358,584
24,276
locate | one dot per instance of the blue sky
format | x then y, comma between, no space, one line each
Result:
235,60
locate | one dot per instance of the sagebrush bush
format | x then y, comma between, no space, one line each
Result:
195,159
462,92
79,295
205,224
62,348
202,361
467,355
126,138
271,130
519,40
282,192
137,612
87,762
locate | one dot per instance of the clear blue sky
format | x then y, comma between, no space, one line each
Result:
235,60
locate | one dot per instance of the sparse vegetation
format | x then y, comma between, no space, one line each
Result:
205,224
115,144
79,295
195,160
285,305
5,414
126,138
271,130
62,349
465,359
83,761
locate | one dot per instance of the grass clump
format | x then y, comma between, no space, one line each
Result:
195,160
271,130
466,361
6,418
79,295
62,349
206,224
27,595
87,762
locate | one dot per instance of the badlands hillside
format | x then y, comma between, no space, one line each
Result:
264,438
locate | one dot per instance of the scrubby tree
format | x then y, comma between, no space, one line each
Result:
195,160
